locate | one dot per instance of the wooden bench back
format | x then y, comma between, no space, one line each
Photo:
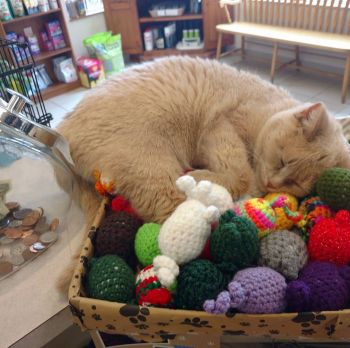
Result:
331,16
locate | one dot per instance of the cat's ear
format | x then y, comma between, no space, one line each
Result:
313,119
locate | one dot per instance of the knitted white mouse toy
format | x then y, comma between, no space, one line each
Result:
183,235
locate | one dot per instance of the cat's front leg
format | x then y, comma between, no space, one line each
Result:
224,157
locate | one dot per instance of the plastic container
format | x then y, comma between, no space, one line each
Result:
35,174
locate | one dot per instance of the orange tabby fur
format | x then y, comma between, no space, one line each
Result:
146,126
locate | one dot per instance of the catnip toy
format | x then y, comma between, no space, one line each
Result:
183,235
104,186
321,286
234,244
256,290
110,278
116,235
285,252
149,291
198,281
333,187
330,239
146,243
119,203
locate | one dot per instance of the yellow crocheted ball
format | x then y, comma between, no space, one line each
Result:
282,221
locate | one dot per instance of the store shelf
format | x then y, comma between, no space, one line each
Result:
30,17
185,17
147,55
59,88
46,55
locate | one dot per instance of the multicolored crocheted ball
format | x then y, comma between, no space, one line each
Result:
285,252
146,243
116,235
149,291
110,278
330,239
333,186
234,244
198,281
312,210
283,219
119,203
321,286
255,290
260,212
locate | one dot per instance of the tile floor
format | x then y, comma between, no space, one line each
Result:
304,86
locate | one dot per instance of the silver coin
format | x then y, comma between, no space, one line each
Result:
42,226
16,260
21,214
15,223
17,248
5,240
38,246
5,221
48,237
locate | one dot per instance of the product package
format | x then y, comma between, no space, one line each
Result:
44,5
55,34
32,6
45,42
64,69
170,35
53,4
90,71
32,41
17,7
5,13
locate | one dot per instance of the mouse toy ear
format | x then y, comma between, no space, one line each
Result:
186,184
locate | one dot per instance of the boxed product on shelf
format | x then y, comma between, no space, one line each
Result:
64,69
55,34
5,13
45,42
170,35
90,71
17,8
44,6
168,8
32,40
32,6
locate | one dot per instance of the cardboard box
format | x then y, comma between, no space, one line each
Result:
91,72
156,324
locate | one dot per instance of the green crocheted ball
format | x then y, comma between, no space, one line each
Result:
333,187
199,280
234,244
111,279
146,243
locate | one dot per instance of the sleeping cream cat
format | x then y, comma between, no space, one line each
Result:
148,125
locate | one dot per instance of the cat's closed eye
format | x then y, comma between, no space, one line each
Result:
289,182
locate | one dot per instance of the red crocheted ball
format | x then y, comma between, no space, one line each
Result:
119,203
330,239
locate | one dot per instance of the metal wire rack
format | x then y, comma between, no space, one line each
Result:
19,72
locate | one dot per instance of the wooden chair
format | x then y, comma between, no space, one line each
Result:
321,24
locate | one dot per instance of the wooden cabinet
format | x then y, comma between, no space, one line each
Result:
130,18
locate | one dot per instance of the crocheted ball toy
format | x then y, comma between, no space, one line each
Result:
198,281
116,235
321,286
146,243
285,252
149,291
283,220
110,278
119,203
333,186
255,290
234,244
330,239
312,210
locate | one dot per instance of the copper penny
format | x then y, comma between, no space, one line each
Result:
48,237
41,211
13,233
15,223
5,268
30,240
32,250
26,234
42,226
54,224
27,255
21,214
12,206
31,219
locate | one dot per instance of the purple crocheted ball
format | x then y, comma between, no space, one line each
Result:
255,290
321,286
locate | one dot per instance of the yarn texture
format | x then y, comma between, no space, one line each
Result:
285,252
119,203
330,239
110,278
234,244
116,235
255,290
146,243
198,281
333,187
149,291
321,286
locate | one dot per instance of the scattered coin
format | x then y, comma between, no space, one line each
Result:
30,220
48,237
41,211
42,226
5,268
5,240
13,233
15,223
54,224
30,240
38,246
16,260
17,248
21,214
26,234
5,221
12,206
32,249
27,254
